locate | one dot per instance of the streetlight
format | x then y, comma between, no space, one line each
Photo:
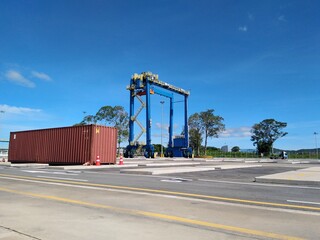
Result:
1,111
315,139
162,102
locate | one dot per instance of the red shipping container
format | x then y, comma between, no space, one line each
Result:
66,145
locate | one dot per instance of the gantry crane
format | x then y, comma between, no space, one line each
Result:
146,84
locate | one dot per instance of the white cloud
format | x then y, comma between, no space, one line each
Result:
243,28
41,76
18,110
241,132
163,126
18,78
282,18
251,17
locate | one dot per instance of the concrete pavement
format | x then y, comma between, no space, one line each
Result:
8,234
307,176
79,212
158,166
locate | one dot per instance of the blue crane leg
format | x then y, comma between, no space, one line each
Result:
170,145
131,122
149,148
186,128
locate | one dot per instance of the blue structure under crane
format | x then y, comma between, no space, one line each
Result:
146,84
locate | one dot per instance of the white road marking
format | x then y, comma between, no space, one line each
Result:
259,184
171,180
63,173
46,172
81,180
33,171
296,201
176,180
170,196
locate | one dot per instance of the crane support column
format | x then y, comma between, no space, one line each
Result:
186,134
131,120
171,124
149,147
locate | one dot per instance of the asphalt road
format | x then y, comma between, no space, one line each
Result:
55,204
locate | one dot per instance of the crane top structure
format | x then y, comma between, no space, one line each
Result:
141,79
146,84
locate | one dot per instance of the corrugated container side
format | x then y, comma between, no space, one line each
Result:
68,145
20,141
104,144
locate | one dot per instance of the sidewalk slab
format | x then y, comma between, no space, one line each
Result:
300,162
167,164
92,167
5,163
29,165
251,161
170,170
158,171
232,160
268,161
207,160
308,176
311,169
228,167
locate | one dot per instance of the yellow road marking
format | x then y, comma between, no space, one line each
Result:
236,200
158,216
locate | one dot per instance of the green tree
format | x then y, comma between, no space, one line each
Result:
157,148
235,149
265,133
117,117
106,115
212,125
89,119
195,136
204,125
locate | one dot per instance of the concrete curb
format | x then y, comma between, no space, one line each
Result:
5,164
160,171
92,167
29,165
167,164
170,170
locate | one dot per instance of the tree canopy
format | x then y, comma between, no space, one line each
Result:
195,135
204,124
235,149
265,133
113,116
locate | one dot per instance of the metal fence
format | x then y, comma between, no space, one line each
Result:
291,155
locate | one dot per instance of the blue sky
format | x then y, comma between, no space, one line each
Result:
248,60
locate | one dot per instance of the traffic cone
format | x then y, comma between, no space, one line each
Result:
98,161
121,160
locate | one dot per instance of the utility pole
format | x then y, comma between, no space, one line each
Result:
315,139
162,102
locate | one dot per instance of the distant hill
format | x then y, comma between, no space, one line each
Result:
311,150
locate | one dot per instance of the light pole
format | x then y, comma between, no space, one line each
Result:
162,102
315,139
1,111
